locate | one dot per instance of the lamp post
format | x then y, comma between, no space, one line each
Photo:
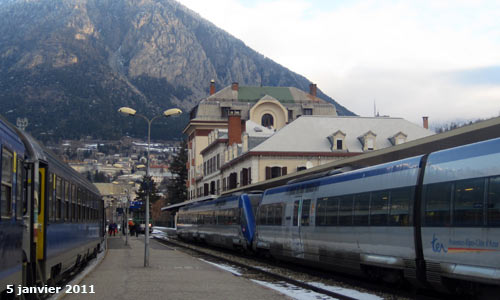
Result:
127,111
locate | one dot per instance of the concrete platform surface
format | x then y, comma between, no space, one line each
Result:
171,275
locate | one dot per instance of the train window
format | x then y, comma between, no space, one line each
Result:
7,174
332,211
78,205
437,204
321,212
345,210
270,215
296,213
468,202
278,214
51,194
222,215
19,188
59,190
305,213
494,202
262,214
63,201
228,216
379,211
218,217
400,206
66,201
361,209
73,203
238,213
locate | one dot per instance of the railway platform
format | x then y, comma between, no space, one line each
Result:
171,275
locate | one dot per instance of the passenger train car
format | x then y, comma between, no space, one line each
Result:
52,217
433,219
226,221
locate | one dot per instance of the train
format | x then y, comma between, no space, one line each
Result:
432,220
52,218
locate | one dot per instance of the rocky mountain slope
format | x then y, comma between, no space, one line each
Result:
68,65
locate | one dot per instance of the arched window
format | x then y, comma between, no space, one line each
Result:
267,120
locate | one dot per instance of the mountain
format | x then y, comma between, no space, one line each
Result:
69,65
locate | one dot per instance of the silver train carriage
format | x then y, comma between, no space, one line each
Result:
367,221
461,214
226,222
351,221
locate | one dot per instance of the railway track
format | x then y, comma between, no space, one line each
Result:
266,270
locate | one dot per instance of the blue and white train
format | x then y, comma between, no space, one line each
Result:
52,218
225,222
433,220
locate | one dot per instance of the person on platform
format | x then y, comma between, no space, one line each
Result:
112,229
131,227
137,229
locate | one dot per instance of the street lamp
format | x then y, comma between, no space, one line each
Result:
127,111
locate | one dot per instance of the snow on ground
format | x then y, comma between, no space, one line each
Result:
346,292
299,293
223,267
293,291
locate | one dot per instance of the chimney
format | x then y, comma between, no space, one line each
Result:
212,87
426,122
234,86
234,124
312,89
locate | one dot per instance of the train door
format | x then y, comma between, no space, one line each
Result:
36,203
42,218
300,219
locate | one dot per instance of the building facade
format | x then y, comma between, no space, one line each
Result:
307,142
229,109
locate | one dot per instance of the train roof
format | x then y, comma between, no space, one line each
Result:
39,153
10,137
182,204
206,199
466,151
390,167
217,202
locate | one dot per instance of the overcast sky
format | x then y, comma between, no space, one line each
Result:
412,58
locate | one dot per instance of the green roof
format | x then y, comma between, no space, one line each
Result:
251,93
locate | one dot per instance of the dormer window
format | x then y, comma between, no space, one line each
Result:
368,140
337,141
339,144
369,144
398,138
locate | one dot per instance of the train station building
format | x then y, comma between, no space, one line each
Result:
229,109
244,135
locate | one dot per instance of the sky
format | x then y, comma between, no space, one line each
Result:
406,59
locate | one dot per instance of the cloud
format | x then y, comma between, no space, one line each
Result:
414,57
411,95
479,76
